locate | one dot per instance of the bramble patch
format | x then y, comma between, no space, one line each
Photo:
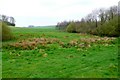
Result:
32,43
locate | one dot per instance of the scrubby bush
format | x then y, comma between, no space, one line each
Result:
62,25
102,22
109,28
5,32
118,27
82,28
71,28
0,31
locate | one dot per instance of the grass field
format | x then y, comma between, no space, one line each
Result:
48,53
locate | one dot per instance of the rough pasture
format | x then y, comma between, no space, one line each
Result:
48,53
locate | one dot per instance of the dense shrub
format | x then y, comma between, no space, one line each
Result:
5,31
108,28
0,32
10,24
82,28
118,27
9,20
71,28
102,22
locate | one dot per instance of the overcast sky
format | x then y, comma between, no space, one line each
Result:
49,12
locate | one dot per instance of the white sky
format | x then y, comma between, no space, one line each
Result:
49,12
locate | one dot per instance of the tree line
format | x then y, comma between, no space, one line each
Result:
9,20
103,22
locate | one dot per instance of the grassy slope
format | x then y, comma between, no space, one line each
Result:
97,61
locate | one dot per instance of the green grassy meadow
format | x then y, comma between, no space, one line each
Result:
57,54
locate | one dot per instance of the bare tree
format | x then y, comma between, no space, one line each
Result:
0,17
119,8
102,15
95,17
4,17
88,18
113,11
12,20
